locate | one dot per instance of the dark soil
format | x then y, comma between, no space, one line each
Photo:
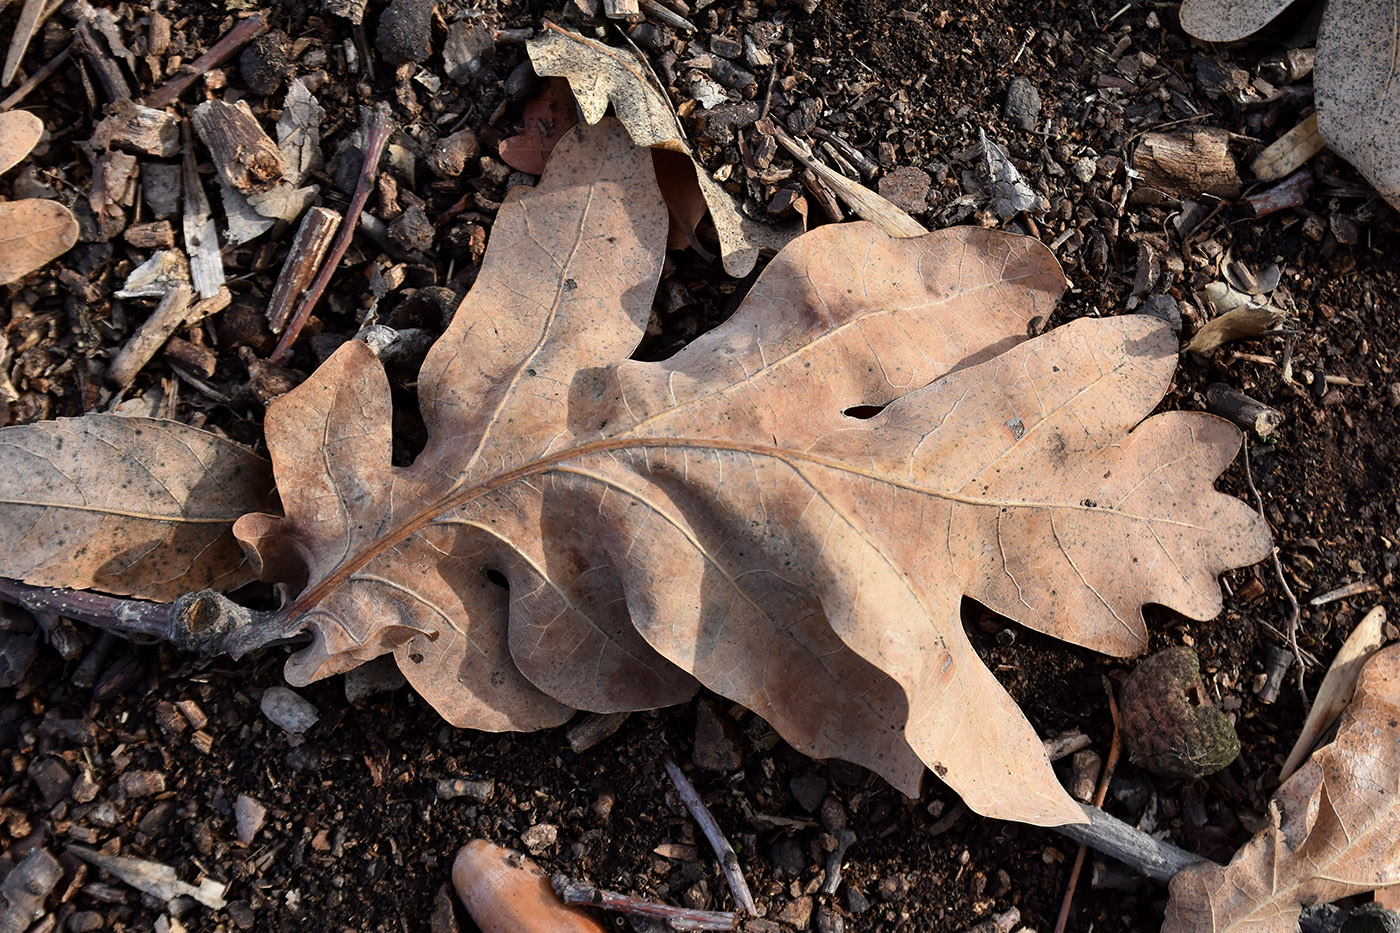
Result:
359,833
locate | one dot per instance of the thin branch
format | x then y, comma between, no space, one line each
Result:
205,623
1114,749
576,893
240,35
1297,611
1147,855
379,128
728,861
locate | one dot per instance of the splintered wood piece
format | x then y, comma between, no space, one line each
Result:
309,248
1291,192
99,58
1188,163
1250,414
866,203
168,317
138,129
175,310
240,35
622,9
1289,151
246,158
201,236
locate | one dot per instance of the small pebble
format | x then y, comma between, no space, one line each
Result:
808,790
907,189
250,816
406,31
265,63
288,711
540,837
1084,168
468,48
452,788
84,921
1022,103
450,155
796,913
141,784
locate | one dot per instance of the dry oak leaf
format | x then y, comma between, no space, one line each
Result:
132,506
601,75
1357,75
718,517
1332,830
33,230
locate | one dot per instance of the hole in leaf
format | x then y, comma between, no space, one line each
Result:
498,578
863,412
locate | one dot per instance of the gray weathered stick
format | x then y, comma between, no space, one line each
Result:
1148,856
728,861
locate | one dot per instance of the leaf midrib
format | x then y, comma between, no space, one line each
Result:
458,496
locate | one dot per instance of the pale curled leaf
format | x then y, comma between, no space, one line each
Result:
1357,78
19,133
601,75
130,506
719,517
1332,831
1338,686
32,232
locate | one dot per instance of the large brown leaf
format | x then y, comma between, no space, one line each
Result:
719,517
1357,76
1333,827
131,506
1358,88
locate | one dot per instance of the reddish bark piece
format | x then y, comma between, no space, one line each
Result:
547,117
1331,833
505,892
719,516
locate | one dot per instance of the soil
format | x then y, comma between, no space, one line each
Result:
363,818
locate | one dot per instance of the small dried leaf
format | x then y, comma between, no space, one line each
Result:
1338,686
601,75
33,232
1357,78
1331,832
19,133
1238,323
130,506
1228,20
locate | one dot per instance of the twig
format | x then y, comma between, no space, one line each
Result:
1114,748
1144,854
240,35
37,78
576,893
379,128
1297,611
728,861
205,622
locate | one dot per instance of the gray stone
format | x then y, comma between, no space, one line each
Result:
288,711
1022,103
